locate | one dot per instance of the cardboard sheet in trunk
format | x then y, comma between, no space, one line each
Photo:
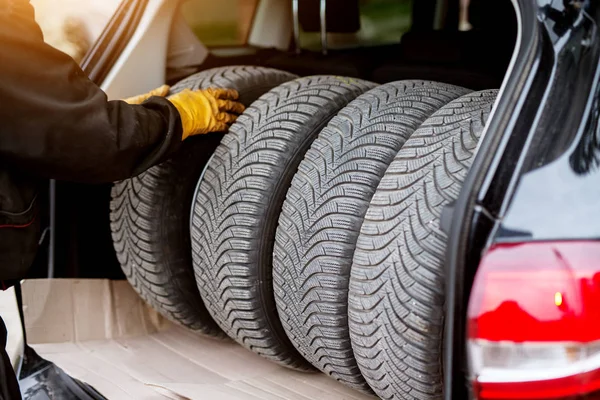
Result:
102,333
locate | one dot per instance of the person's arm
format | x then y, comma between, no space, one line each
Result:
56,123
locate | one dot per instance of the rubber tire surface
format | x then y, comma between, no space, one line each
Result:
396,294
324,210
150,213
237,207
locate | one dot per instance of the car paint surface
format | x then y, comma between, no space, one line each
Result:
558,193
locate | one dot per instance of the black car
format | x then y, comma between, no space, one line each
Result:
522,263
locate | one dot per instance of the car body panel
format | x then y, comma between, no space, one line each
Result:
557,198
151,37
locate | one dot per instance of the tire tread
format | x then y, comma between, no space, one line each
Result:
151,262
396,294
238,203
323,212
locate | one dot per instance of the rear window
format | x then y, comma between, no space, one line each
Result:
220,22
382,22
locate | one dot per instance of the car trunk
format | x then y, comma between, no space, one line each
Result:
92,324
103,334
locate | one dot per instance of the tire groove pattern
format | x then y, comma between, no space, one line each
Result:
150,212
396,295
237,206
324,210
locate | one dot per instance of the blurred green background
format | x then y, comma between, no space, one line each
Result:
226,23
220,22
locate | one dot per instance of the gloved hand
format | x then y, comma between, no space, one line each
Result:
209,110
139,99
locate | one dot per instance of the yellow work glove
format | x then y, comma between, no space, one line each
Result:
204,111
139,99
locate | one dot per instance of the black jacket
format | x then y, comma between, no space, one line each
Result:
56,123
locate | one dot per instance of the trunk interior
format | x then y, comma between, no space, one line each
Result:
476,58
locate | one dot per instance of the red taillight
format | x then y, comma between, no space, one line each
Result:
534,322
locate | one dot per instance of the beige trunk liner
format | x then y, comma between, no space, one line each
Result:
102,333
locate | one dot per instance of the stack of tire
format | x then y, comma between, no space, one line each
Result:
310,232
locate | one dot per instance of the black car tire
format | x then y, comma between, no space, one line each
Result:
150,213
324,210
396,294
238,202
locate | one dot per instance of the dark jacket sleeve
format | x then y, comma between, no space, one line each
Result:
56,123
